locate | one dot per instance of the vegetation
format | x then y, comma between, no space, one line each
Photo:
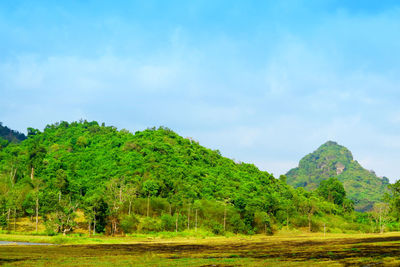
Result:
7,135
260,250
86,178
332,160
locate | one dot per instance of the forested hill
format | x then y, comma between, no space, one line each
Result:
110,174
333,160
10,135
85,155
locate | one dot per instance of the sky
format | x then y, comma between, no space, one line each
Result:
264,82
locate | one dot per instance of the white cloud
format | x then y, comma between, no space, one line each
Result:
307,89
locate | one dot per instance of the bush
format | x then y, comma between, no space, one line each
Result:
237,224
51,227
216,228
168,222
129,224
315,226
263,223
300,221
3,221
149,225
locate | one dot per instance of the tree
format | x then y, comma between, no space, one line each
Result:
130,192
61,182
332,190
114,200
150,188
380,213
288,207
394,198
348,205
262,219
309,206
62,220
37,186
95,209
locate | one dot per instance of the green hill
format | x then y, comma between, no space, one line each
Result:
148,181
10,135
333,160
85,163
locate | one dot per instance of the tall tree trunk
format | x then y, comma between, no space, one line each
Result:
114,226
12,175
309,223
287,219
59,196
176,222
37,212
188,224
8,219
148,205
94,225
130,207
32,173
225,218
90,222
15,217
196,221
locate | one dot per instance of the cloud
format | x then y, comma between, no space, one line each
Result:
268,94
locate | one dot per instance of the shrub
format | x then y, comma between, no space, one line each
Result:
315,226
216,228
129,224
167,222
149,225
237,224
3,220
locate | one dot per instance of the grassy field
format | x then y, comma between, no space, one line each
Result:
282,249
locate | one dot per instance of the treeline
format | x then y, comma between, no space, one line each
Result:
7,135
155,180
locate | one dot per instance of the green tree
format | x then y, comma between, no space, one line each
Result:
332,190
115,201
62,220
150,188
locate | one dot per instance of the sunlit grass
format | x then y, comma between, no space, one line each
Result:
284,249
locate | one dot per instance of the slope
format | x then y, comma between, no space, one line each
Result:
333,160
154,173
10,135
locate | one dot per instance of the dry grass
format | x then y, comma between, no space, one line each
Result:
282,249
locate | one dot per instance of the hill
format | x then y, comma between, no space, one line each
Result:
152,180
10,135
333,160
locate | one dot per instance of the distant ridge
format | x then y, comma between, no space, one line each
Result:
334,160
10,135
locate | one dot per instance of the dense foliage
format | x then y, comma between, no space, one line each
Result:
332,160
153,180
7,135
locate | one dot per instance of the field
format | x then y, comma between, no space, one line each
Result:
282,250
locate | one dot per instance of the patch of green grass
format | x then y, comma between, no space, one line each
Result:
307,249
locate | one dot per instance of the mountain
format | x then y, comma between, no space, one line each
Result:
83,161
334,160
156,174
10,135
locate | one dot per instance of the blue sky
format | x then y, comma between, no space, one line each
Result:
264,82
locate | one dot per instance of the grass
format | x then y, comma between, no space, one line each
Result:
283,249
